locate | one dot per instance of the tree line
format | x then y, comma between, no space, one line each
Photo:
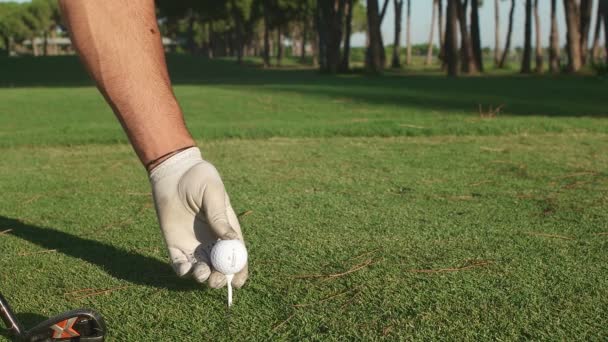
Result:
321,30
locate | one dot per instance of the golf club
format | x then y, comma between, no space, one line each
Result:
83,325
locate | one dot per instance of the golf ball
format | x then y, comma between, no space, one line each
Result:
229,256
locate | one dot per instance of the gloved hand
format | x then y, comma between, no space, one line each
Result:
194,211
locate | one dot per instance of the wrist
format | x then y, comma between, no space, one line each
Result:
152,164
175,165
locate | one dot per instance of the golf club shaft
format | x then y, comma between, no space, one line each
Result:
9,318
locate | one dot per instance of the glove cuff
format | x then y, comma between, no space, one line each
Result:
176,164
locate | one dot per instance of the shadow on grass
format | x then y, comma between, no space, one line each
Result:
546,95
121,264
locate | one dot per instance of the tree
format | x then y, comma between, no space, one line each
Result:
595,50
527,58
429,51
396,61
496,33
475,35
408,34
330,26
14,19
573,49
47,17
586,6
603,9
539,48
374,62
505,52
344,66
467,59
451,39
441,54
554,52
266,53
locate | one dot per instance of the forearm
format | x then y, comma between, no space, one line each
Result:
120,45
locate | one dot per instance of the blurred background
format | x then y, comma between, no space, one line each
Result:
340,35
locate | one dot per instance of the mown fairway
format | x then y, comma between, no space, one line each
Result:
374,207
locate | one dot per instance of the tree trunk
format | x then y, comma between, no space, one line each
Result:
190,43
304,42
595,50
505,53
266,52
554,41
374,61
314,47
345,65
604,10
429,51
573,36
7,45
396,61
539,48
238,36
496,33
526,62
475,35
408,33
335,35
441,55
45,43
468,60
330,15
279,46
383,12
451,39
586,8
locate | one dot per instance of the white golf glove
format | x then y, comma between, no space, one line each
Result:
194,211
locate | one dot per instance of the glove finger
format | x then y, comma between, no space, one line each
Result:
217,280
179,261
201,271
240,278
214,204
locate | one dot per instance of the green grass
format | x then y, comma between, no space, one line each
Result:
384,176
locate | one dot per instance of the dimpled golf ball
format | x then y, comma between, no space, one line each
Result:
229,256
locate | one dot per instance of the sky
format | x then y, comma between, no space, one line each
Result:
421,12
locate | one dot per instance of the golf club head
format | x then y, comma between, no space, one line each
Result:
82,325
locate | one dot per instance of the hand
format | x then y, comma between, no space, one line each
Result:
194,211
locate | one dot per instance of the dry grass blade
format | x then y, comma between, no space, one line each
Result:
364,254
32,199
326,298
38,252
100,292
482,182
475,264
283,322
335,275
245,213
412,126
577,174
351,299
6,231
555,236
601,234
491,149
387,330
88,289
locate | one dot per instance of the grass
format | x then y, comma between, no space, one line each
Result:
435,223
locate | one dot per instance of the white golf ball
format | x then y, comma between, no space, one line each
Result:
229,256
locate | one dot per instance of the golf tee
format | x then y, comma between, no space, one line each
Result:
229,284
